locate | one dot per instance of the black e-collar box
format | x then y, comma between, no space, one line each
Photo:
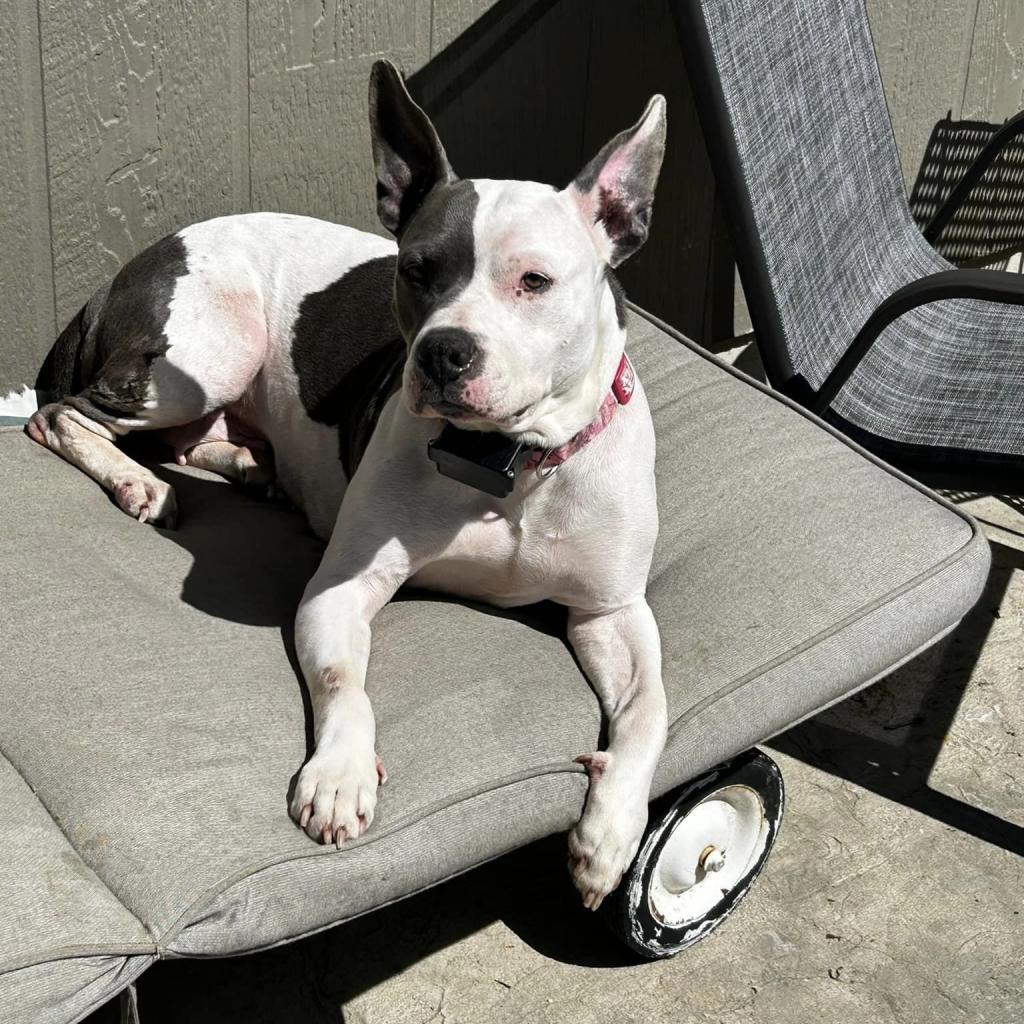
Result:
485,460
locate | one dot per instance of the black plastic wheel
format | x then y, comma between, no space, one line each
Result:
705,844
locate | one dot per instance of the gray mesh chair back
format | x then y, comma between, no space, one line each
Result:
797,127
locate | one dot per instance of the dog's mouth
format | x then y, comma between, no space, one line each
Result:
425,404
460,411
427,399
453,410
452,402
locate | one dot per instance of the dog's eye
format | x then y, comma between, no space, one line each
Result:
533,281
414,272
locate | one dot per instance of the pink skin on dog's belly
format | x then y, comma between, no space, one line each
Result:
221,425
243,308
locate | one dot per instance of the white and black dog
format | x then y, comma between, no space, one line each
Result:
497,317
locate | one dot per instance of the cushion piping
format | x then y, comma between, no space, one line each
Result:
825,634
86,949
805,413
77,952
400,824
126,978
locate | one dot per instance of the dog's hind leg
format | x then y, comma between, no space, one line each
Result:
234,461
89,445
222,443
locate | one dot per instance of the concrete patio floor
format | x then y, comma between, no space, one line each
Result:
895,892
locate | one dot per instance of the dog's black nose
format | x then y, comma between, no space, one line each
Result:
444,354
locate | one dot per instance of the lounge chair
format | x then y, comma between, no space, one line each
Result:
150,716
855,315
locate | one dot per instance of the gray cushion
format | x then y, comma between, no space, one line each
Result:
148,693
66,944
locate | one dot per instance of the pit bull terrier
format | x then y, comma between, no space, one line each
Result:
495,317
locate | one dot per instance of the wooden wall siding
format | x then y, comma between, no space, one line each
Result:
123,120
26,279
309,67
995,77
146,128
924,50
450,18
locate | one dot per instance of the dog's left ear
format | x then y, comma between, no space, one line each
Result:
616,189
407,153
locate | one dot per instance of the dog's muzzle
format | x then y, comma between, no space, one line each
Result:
445,358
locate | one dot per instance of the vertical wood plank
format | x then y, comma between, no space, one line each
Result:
453,17
995,81
508,91
27,319
286,35
923,53
147,127
670,275
310,61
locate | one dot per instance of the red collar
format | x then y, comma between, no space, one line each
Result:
620,394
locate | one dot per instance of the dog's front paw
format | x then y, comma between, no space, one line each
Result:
336,794
605,840
144,497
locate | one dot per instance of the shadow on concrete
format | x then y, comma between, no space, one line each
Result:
847,740
310,980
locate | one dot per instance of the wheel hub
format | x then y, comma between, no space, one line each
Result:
710,850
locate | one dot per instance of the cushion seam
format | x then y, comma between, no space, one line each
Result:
132,975
224,884
78,853
827,634
362,913
789,403
61,953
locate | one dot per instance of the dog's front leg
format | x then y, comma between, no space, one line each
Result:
336,792
621,653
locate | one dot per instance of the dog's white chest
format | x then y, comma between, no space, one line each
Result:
511,557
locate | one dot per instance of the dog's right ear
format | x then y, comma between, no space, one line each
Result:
407,153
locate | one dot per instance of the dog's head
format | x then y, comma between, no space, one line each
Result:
504,291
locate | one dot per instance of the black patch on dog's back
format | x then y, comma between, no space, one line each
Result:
105,352
348,354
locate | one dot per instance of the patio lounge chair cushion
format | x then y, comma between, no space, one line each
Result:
64,937
149,697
